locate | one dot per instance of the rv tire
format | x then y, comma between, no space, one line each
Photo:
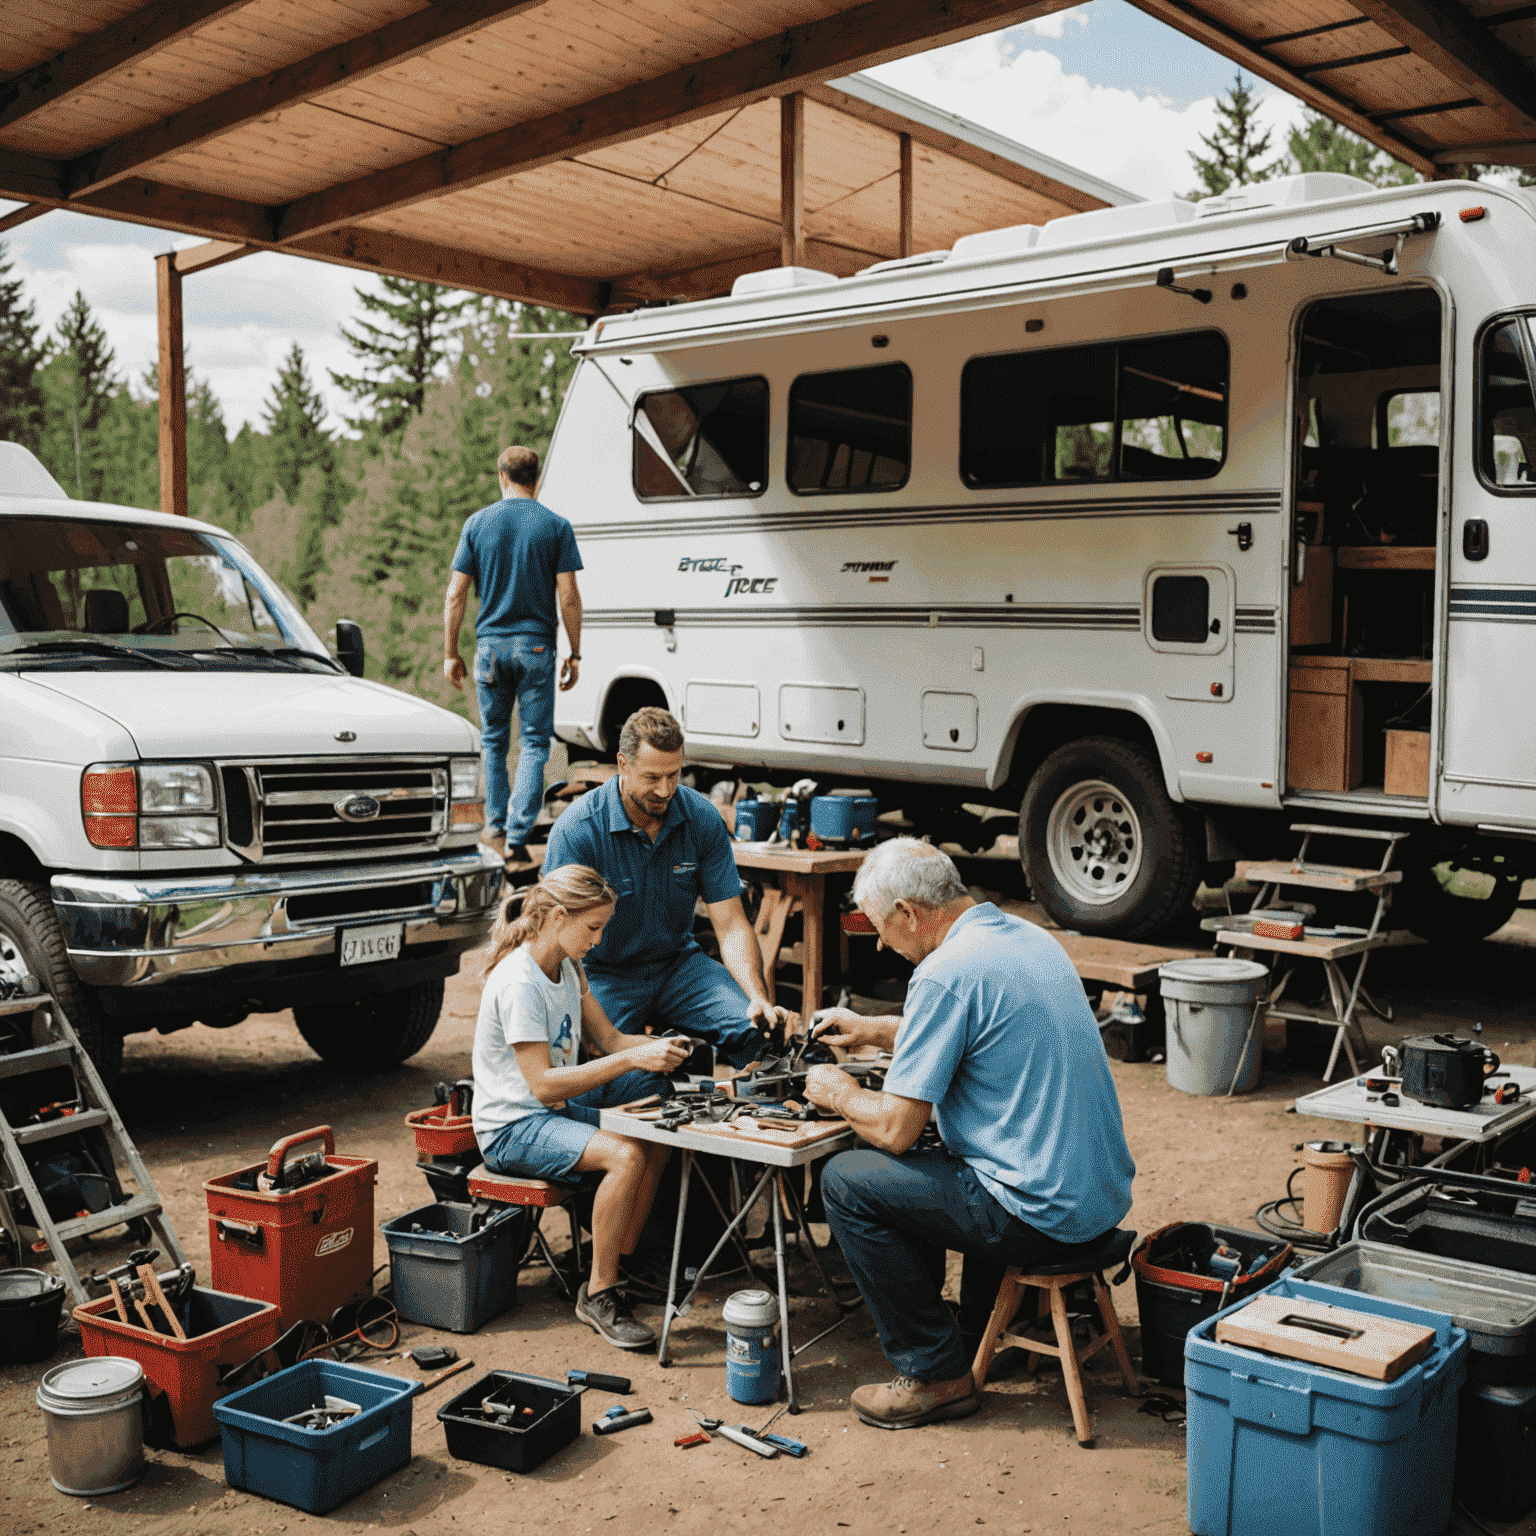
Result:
1105,850
1440,915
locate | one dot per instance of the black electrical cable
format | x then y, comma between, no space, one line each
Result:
1293,1232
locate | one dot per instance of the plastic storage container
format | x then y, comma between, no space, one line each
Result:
447,1276
439,1134
306,1250
316,1469
1454,1223
1292,1449
1496,1307
94,1414
1175,1288
221,1330
1209,1006
528,1440
842,820
756,819
1496,1450
31,1301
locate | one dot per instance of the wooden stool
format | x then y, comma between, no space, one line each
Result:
539,1196
1052,1281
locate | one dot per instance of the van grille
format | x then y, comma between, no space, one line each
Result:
288,810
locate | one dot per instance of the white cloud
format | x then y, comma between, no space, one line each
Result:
1055,25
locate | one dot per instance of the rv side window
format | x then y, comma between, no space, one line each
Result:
1181,610
1143,410
1507,407
703,440
851,430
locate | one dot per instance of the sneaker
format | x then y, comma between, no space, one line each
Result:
906,1402
608,1313
517,853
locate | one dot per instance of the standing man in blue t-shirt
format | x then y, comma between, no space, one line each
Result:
519,555
998,1044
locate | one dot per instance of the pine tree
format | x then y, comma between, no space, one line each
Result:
400,353
1236,147
79,384
21,351
1320,144
295,417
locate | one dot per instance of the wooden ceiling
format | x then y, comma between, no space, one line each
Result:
581,153
1437,83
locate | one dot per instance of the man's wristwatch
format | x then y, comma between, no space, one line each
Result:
574,656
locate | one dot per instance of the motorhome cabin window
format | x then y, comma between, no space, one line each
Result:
1409,418
1135,410
702,440
851,430
1181,610
1507,407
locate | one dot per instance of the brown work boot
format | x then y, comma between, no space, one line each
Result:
905,1402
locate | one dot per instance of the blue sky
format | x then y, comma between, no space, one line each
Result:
1102,86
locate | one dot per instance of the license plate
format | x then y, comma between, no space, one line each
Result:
363,946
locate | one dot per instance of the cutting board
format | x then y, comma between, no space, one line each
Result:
780,1133
1360,1343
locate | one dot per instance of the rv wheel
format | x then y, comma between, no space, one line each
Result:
1105,850
1448,905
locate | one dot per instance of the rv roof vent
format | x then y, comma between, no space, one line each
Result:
21,474
923,259
1124,222
1286,192
777,279
996,242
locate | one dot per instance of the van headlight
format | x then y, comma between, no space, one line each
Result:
149,805
466,794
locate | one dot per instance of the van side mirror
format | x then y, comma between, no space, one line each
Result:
349,646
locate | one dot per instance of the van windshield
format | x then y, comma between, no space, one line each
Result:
76,593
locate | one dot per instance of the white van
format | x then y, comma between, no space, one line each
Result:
1167,525
202,812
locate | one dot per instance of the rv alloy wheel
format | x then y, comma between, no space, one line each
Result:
1106,851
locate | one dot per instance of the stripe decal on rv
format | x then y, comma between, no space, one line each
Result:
884,616
816,517
1497,605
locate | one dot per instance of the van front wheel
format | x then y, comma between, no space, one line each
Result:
1105,850
373,1032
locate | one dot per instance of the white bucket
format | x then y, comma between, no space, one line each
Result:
1209,1007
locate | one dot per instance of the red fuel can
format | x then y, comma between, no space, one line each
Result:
307,1250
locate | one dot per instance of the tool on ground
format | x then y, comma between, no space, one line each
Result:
795,1448
736,1433
687,1442
453,1370
620,1421
615,1411
430,1356
598,1380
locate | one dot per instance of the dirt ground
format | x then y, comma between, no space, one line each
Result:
202,1103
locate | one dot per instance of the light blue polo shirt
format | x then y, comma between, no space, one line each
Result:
998,1036
658,882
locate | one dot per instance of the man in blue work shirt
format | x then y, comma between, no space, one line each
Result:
663,846
997,1038
518,554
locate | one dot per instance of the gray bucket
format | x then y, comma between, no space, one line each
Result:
1209,1006
94,1410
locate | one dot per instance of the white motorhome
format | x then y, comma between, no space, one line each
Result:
202,812
1166,524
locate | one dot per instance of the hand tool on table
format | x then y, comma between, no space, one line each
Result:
611,1426
737,1433
603,1383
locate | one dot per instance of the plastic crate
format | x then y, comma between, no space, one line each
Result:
439,1134
447,1276
1171,1297
316,1469
221,1330
1480,1227
1497,1307
1496,1451
515,1447
1288,1448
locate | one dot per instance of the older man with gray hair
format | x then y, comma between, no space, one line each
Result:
997,1042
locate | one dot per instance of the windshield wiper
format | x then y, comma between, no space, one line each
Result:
276,653
91,648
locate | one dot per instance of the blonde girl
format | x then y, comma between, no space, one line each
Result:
536,1103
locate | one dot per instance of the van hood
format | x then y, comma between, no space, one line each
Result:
261,714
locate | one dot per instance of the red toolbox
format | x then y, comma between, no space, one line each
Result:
307,1250
440,1132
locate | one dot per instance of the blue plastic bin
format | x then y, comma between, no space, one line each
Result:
316,1469
1284,1448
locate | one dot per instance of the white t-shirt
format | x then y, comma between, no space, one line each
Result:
521,1005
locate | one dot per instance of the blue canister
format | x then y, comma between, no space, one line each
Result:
754,820
752,1346
844,819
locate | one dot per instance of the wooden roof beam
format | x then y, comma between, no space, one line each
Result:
205,257
1247,51
129,41
872,33
345,64
23,215
1455,44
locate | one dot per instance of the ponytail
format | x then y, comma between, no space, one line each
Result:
570,889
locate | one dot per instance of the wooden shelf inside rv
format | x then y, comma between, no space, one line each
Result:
1386,557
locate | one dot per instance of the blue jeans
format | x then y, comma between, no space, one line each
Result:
893,1217
518,670
692,993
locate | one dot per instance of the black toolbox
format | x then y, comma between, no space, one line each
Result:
1465,1216
1496,1450
529,1438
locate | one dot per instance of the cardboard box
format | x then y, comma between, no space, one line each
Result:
1408,764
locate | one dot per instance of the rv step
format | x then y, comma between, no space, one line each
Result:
1376,834
1321,877
65,1125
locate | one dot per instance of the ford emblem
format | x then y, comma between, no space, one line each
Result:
358,808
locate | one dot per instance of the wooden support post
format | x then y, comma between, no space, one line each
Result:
792,180
173,389
906,196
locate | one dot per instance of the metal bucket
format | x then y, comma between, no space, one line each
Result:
94,1410
1209,1005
